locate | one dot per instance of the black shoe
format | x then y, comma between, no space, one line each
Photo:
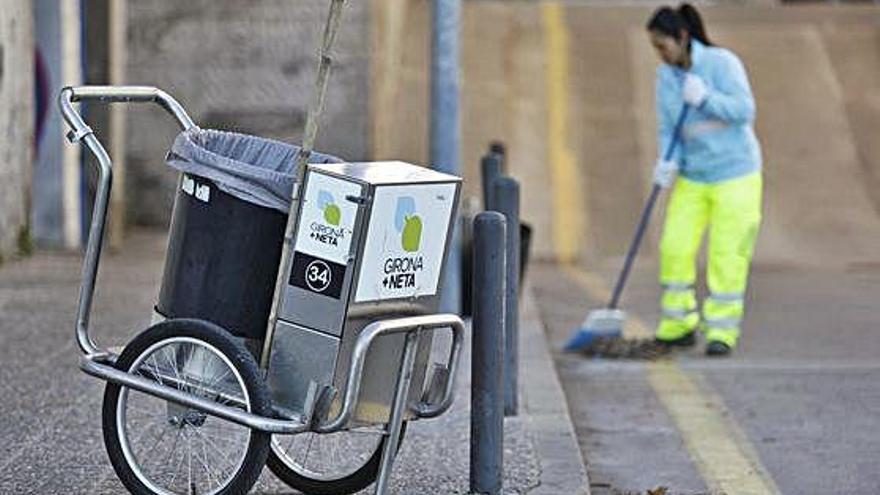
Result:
717,348
687,340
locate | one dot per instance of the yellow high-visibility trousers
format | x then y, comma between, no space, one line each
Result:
732,212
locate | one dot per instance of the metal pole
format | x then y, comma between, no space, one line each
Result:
499,148
490,168
71,160
404,379
487,355
445,123
117,58
506,197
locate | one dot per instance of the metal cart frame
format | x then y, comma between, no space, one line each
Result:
99,362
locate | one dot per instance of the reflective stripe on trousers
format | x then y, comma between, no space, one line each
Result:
679,311
723,311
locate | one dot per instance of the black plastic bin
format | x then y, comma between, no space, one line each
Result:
227,228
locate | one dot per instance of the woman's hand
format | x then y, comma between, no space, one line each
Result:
664,172
694,90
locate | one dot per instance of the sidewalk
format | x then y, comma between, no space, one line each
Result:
541,455
50,438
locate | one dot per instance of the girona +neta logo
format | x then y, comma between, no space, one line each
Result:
408,223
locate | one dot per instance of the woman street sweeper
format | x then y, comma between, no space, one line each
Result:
715,175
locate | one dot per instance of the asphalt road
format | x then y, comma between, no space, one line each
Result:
801,393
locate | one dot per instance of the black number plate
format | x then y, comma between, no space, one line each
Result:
317,275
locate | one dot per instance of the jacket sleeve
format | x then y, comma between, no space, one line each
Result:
730,96
665,118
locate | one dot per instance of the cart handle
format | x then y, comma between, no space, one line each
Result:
399,325
80,131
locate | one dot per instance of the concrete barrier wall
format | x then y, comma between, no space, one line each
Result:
16,122
246,68
502,89
815,75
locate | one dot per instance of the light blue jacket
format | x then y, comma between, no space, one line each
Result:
719,141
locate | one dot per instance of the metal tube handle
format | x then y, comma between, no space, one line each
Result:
80,131
131,94
400,325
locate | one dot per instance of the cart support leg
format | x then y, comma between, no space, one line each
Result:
389,451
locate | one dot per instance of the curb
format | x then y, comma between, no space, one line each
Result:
546,410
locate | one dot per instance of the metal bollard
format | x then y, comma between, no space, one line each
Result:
490,168
506,197
487,353
499,148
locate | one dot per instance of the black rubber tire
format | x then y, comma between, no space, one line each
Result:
258,444
355,482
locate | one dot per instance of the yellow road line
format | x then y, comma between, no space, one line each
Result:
567,220
720,450
722,453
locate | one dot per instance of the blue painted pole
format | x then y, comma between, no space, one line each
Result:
445,126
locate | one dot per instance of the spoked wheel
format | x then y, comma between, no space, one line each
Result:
159,447
329,463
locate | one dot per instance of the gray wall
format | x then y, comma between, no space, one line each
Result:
241,66
16,120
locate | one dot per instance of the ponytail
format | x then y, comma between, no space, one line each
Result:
694,22
672,22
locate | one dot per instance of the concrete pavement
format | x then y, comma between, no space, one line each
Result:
50,436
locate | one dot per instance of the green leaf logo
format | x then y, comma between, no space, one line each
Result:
412,234
332,214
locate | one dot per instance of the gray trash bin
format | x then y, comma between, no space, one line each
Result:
227,228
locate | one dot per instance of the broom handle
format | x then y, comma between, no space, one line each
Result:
646,215
316,108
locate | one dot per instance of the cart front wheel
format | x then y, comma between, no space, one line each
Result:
329,463
160,447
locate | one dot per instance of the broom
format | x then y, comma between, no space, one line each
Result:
608,321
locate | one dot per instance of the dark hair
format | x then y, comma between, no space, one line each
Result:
671,22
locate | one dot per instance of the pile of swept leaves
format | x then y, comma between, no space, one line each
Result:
662,490
646,349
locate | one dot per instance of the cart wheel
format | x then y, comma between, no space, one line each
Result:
329,463
159,447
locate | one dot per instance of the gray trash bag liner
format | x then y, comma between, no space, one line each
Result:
253,169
